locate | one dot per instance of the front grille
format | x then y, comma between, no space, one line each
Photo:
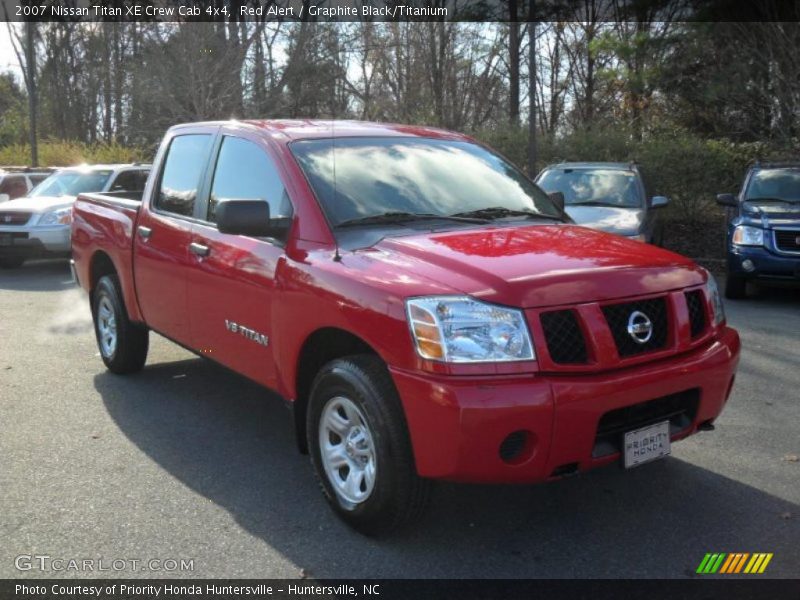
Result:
697,312
10,217
564,337
679,409
787,240
618,316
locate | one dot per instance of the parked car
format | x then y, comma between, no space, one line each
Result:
764,229
38,225
610,197
15,182
424,308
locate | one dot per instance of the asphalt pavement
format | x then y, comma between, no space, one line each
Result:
186,460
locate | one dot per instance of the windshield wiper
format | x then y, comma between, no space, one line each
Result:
599,203
405,217
499,212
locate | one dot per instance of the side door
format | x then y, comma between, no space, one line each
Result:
164,233
231,282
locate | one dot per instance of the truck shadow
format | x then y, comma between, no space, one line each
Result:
229,440
37,276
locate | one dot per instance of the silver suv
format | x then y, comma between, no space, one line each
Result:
606,196
38,225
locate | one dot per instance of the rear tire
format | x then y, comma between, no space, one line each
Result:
11,262
367,473
735,287
123,345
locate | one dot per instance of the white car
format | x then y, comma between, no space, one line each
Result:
38,225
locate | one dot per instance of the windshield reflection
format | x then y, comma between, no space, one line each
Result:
612,187
777,184
373,176
71,183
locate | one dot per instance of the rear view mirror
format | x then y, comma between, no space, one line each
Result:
247,217
659,201
4,197
557,198
727,200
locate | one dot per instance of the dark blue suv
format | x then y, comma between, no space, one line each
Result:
764,231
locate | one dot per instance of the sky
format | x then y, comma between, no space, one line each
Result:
8,60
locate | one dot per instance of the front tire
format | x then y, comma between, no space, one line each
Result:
735,287
360,447
123,345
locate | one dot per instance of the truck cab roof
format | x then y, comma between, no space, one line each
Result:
288,130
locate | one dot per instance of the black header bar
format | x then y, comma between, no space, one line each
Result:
325,11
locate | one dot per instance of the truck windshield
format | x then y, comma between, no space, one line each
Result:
775,184
604,187
71,183
359,179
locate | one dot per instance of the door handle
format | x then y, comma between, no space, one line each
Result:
144,232
199,249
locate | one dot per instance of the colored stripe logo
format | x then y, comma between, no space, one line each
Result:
734,562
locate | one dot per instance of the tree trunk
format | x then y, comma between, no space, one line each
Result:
532,92
513,65
30,59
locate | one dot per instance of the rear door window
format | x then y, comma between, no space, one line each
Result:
183,169
130,181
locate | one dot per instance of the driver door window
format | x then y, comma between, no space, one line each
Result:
245,172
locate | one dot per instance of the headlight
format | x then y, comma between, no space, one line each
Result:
61,216
714,297
745,235
458,329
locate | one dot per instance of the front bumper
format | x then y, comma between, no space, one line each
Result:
458,424
35,242
767,265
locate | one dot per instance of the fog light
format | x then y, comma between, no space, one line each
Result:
748,265
517,447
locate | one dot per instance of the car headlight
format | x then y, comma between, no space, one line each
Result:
458,329
61,216
744,235
715,298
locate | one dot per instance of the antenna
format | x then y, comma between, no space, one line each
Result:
336,256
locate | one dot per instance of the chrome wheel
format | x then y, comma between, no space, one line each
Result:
106,327
347,451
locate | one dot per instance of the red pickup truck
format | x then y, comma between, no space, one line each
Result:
424,308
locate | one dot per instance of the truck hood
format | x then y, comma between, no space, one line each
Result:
537,265
769,213
613,219
39,204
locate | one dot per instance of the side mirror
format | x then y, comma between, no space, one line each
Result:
247,217
4,197
659,201
557,198
727,200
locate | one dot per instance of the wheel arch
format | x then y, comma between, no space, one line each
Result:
319,348
100,266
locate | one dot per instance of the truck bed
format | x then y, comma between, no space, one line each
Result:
103,227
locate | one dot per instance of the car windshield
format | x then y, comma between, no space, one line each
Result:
612,187
374,177
775,184
71,183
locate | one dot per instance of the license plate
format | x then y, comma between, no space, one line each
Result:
6,239
646,444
